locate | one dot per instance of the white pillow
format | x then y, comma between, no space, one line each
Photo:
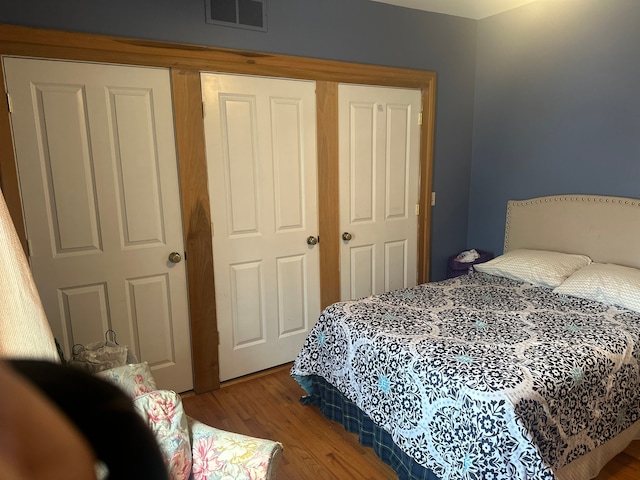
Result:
606,283
539,267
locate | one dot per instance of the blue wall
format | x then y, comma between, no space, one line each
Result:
557,107
547,94
354,30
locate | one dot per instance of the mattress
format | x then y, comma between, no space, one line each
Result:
481,376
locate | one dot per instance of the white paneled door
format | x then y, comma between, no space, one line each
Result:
98,175
261,155
379,143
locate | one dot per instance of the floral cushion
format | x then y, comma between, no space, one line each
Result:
135,379
162,409
218,454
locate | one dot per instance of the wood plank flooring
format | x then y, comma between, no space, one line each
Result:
267,405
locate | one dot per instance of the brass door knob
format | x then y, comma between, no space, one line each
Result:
346,236
175,257
311,240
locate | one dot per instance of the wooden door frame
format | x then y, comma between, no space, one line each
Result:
186,62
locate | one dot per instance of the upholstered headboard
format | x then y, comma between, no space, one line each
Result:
607,229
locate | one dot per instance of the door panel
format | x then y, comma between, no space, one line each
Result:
379,142
261,153
362,269
151,317
362,153
248,304
136,163
88,301
292,288
98,175
67,167
395,267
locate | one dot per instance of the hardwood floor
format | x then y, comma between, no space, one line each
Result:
267,405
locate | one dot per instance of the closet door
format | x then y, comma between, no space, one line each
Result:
99,182
379,143
261,155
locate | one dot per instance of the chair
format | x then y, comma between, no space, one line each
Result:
188,445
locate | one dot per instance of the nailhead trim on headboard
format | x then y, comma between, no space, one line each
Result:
614,201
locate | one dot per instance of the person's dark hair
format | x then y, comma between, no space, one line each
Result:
105,416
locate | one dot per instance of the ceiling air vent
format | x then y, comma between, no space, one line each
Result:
251,14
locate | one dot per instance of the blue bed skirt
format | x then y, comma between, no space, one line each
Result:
338,408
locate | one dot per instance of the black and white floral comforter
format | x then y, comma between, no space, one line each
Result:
482,377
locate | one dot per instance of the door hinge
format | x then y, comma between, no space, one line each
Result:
29,248
9,103
417,209
420,118
203,110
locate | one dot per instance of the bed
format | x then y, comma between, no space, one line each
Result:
526,368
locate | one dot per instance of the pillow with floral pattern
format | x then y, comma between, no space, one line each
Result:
162,410
135,379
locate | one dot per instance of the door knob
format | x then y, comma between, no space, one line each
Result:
311,240
346,236
175,257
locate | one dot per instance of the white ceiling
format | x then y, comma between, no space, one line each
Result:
475,9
